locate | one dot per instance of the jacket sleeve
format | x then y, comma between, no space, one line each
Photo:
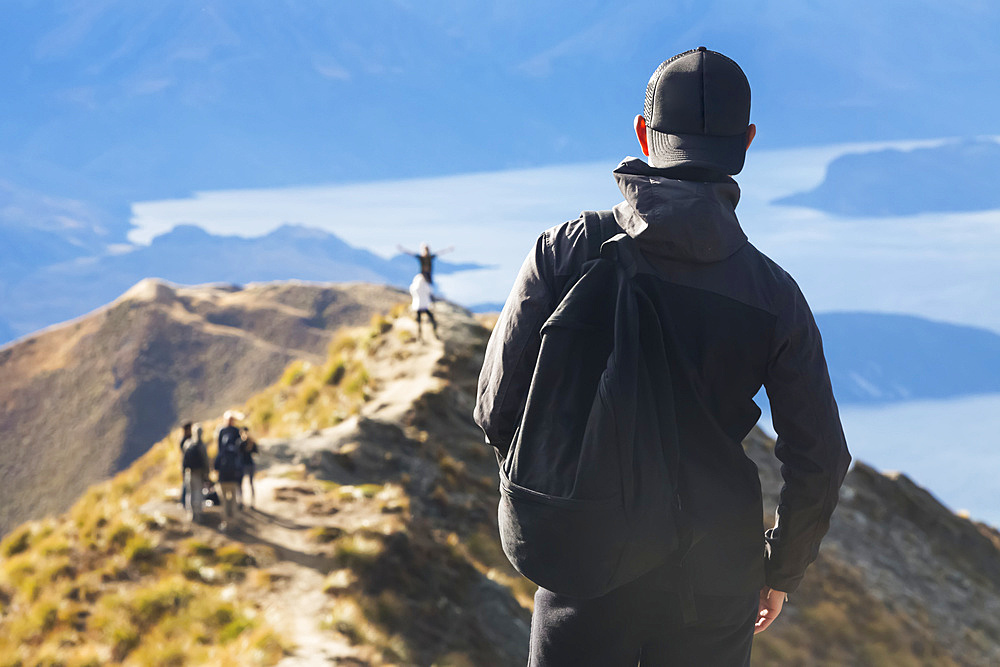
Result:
513,349
811,445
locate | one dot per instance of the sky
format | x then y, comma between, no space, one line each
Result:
113,101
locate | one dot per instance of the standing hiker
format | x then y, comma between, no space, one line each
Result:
423,296
195,462
229,465
185,434
248,448
426,259
732,321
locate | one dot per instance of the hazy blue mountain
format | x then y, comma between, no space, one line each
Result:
880,358
37,229
957,176
487,307
24,249
189,255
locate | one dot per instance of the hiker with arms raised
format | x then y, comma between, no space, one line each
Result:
426,259
650,363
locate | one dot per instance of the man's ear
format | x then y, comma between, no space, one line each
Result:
751,133
640,134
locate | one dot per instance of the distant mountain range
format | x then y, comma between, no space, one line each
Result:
956,176
53,284
880,358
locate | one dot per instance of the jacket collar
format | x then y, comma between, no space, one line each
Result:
679,219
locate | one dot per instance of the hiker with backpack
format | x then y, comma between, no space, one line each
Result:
618,386
195,463
248,448
229,465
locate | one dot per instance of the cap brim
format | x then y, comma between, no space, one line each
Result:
725,154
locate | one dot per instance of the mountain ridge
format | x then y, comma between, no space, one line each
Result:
53,290
381,521
119,378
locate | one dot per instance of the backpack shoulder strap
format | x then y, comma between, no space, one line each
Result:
598,227
623,249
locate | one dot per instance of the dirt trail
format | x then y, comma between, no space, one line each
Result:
289,512
296,604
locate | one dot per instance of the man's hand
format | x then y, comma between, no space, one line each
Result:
771,602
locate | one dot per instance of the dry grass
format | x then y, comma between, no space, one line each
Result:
315,397
106,584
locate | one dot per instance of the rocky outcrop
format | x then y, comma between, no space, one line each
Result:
900,579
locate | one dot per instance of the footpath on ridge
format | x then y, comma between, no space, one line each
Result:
285,519
359,527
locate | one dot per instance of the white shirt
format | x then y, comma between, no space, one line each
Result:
421,292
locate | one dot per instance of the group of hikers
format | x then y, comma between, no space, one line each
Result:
233,463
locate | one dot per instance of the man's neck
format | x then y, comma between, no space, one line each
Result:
699,174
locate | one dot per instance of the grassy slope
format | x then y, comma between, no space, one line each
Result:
116,579
109,580
404,532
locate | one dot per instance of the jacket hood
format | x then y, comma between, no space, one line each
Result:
685,220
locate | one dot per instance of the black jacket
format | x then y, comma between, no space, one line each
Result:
229,470
734,321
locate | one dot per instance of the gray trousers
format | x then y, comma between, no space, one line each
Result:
228,491
194,485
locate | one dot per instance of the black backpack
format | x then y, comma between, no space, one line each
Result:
588,489
229,460
193,457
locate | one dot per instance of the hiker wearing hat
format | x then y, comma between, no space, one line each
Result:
229,465
731,321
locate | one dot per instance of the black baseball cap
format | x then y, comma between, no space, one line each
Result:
698,112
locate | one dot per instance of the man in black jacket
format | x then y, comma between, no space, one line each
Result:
733,321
